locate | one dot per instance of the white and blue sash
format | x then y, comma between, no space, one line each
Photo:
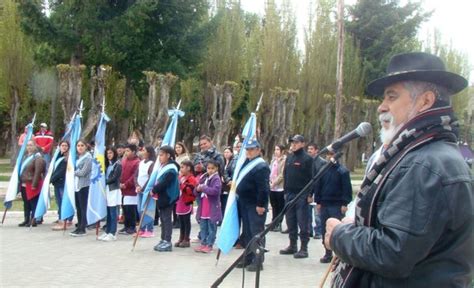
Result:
244,171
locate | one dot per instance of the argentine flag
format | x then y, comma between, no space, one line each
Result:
169,139
68,204
12,189
97,200
44,200
230,229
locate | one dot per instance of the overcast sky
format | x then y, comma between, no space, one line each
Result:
454,18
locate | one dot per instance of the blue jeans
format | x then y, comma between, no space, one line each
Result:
208,232
58,195
318,228
111,220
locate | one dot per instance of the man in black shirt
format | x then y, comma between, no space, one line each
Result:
298,172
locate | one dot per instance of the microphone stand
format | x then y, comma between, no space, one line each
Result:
255,245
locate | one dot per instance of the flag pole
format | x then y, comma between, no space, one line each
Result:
4,214
18,188
323,280
233,188
141,220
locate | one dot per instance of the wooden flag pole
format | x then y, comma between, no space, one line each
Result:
325,276
141,220
97,226
4,214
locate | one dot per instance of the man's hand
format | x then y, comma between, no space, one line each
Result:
122,186
318,207
138,189
310,199
343,210
260,210
331,223
348,220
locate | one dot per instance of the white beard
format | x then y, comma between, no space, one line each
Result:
387,134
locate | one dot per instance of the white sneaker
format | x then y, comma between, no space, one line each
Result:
101,237
110,237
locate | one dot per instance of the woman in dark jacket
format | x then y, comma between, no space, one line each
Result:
58,179
113,172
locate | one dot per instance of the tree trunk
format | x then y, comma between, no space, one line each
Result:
158,116
70,87
221,111
124,126
340,70
15,107
98,82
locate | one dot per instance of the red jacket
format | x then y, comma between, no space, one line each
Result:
45,141
129,168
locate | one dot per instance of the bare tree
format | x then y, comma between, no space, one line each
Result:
222,110
97,95
340,69
70,87
158,115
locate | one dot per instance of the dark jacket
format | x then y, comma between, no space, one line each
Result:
298,171
167,188
201,159
421,234
255,186
34,172
228,173
113,180
58,178
334,188
213,191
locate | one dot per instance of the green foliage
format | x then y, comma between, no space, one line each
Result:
383,28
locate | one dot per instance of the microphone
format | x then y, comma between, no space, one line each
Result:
362,130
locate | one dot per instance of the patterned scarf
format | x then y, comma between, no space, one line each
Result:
432,125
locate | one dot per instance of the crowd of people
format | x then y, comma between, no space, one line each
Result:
412,221
202,179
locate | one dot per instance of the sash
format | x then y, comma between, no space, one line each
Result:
164,169
57,162
26,162
245,170
82,158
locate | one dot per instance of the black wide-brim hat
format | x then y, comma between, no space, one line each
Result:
417,66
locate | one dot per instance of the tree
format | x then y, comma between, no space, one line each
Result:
16,65
383,28
164,36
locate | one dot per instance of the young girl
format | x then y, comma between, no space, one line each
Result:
144,171
209,209
82,176
113,172
277,199
58,179
184,206
166,190
130,164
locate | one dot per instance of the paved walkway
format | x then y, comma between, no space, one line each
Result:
41,257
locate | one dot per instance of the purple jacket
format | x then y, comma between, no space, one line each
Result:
213,191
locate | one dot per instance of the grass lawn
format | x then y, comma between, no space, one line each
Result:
5,168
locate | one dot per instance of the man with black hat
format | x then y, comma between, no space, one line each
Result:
414,214
253,189
297,173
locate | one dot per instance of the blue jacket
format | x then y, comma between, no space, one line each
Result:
167,188
334,188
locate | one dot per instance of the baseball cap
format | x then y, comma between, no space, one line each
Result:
297,138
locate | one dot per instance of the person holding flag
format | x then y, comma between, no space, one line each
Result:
253,190
82,175
166,190
32,171
58,179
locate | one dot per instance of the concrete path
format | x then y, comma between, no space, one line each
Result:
41,257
